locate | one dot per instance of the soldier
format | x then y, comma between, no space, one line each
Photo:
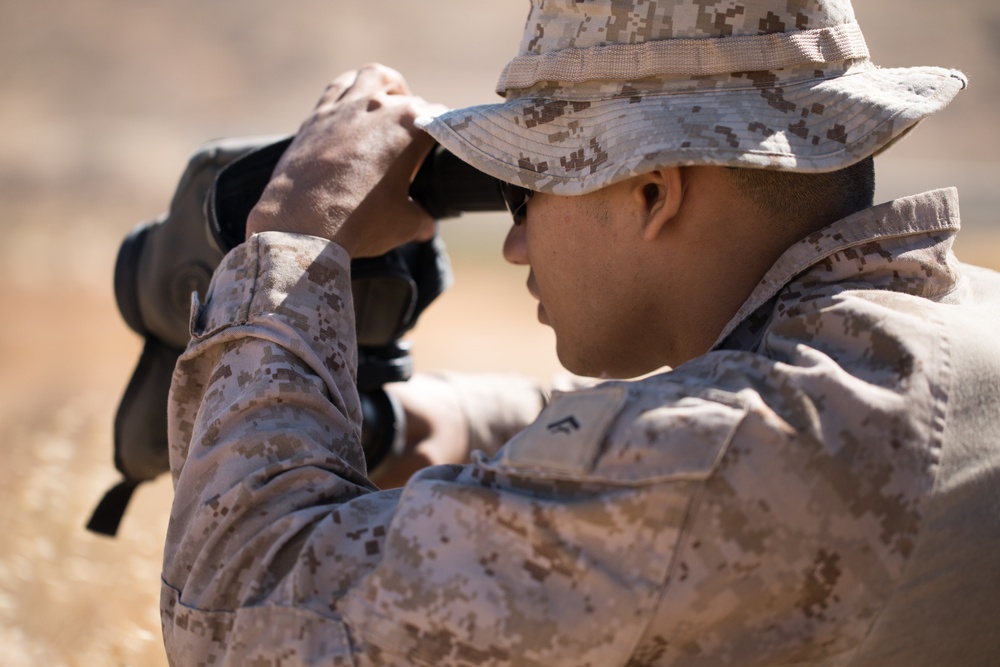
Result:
807,472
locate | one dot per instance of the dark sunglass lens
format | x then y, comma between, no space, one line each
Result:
516,199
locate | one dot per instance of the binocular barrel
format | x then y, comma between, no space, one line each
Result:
163,261
444,185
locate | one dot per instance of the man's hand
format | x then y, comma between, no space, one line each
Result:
347,174
436,430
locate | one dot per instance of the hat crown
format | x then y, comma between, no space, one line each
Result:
604,90
555,25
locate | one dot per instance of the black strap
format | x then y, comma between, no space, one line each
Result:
140,433
108,514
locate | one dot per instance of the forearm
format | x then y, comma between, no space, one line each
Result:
449,415
495,406
263,423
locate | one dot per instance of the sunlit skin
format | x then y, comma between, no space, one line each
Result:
633,277
639,275
644,273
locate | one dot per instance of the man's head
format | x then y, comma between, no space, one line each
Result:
646,272
660,119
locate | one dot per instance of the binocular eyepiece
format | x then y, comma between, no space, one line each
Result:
163,261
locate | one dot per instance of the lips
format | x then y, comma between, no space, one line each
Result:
533,286
543,317
533,291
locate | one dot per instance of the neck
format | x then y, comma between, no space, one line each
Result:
715,256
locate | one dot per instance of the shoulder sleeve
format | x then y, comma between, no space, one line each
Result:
802,535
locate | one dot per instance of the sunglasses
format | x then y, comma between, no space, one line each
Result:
517,199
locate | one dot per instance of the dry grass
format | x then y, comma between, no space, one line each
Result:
68,597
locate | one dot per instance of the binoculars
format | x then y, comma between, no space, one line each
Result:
163,261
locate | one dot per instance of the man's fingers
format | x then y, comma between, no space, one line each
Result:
369,81
373,80
374,77
362,204
335,89
419,148
427,230
422,107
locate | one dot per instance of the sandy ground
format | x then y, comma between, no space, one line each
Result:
100,104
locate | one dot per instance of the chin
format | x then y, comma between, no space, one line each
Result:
587,367
571,363
603,366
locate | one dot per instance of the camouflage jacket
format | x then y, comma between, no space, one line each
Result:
821,488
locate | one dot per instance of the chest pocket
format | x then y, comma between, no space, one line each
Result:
596,494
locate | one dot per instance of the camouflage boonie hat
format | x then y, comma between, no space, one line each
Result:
606,89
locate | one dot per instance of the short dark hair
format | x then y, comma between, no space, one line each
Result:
812,200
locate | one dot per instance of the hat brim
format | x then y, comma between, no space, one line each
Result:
573,147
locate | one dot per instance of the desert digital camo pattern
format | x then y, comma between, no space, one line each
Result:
759,505
571,136
554,25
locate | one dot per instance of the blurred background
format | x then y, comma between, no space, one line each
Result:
102,102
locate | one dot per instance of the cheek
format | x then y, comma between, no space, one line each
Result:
571,245
579,303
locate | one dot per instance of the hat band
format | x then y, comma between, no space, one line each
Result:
688,57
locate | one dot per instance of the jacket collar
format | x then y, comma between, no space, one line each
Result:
861,244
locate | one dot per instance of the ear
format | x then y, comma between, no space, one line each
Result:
661,194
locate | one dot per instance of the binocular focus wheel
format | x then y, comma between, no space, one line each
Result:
188,278
383,426
126,278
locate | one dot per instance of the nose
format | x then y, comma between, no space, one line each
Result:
515,246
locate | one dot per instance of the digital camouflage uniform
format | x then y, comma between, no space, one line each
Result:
821,488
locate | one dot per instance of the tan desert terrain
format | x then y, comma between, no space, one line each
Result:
100,104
